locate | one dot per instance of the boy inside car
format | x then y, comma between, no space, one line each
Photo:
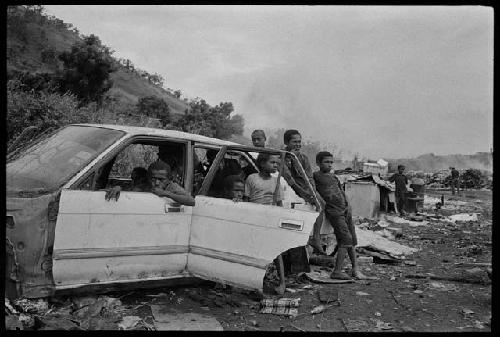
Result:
160,184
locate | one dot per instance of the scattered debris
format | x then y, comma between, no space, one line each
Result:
318,275
361,293
31,307
365,259
355,325
442,287
129,322
282,306
464,217
375,241
466,312
183,320
447,278
9,309
327,295
320,308
381,324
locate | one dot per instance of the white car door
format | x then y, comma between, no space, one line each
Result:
233,242
137,238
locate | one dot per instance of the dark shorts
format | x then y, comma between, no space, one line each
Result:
343,228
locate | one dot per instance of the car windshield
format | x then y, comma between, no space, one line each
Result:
47,165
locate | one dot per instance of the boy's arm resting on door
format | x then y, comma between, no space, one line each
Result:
176,193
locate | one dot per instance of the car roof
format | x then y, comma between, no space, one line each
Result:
144,131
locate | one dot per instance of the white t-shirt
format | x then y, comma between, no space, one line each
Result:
289,195
260,190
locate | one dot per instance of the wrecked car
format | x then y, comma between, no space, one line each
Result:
61,233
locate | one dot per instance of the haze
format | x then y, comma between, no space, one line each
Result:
388,82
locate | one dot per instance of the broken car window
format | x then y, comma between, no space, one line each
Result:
50,163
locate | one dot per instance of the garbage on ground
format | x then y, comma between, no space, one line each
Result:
361,293
466,312
9,309
365,259
282,306
319,309
386,234
164,320
375,241
129,322
442,286
397,220
381,324
355,325
463,217
318,275
31,307
384,259
328,295
383,223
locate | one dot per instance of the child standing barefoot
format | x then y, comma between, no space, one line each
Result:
338,213
260,188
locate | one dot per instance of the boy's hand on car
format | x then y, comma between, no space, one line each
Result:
113,193
159,192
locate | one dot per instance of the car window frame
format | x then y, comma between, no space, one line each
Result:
122,146
246,149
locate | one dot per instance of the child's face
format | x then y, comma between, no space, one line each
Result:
258,140
326,164
237,191
401,170
159,178
271,165
295,143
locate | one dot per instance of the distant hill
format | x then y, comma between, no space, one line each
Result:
34,46
432,163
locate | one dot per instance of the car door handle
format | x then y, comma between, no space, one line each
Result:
173,208
296,225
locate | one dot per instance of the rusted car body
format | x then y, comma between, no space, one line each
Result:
61,234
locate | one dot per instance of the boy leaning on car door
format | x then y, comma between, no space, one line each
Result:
161,185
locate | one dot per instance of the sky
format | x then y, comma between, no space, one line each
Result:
381,81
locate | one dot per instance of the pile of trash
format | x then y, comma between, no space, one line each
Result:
84,313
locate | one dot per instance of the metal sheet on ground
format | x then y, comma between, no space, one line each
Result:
165,321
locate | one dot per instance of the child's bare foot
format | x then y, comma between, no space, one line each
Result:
360,276
339,275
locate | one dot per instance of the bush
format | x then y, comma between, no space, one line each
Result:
155,107
43,109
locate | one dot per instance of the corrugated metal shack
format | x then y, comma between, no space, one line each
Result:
369,195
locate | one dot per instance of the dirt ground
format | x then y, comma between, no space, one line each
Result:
397,301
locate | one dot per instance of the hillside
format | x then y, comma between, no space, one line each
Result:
34,41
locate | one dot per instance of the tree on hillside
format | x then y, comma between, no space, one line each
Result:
87,68
155,107
209,121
